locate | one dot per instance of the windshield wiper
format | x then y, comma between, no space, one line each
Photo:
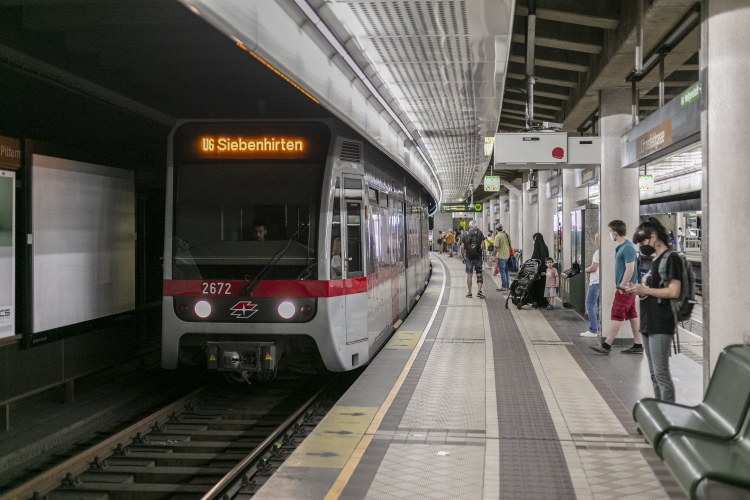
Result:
271,263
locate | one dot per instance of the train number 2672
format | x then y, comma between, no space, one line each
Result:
216,288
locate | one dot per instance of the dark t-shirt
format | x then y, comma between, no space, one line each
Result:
656,314
465,242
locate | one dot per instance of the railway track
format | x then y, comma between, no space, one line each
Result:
219,441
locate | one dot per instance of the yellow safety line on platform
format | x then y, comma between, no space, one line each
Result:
346,473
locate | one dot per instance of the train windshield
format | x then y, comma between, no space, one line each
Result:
236,221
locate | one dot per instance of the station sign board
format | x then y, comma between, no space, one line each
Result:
492,183
7,253
461,207
10,153
646,182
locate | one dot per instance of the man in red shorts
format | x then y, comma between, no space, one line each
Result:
623,307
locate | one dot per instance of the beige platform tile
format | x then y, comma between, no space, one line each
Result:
418,471
460,323
620,474
440,400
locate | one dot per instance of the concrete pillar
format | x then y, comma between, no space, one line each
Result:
620,197
547,209
502,215
490,215
570,197
514,218
443,222
726,175
530,219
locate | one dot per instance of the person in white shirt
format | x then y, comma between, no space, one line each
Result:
336,260
592,296
681,240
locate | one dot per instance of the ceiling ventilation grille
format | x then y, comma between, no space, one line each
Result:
432,54
351,152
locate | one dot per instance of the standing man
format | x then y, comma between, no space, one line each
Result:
471,255
623,307
681,239
592,296
502,254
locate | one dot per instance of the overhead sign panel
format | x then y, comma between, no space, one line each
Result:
492,183
461,207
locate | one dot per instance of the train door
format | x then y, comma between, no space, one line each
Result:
354,263
401,230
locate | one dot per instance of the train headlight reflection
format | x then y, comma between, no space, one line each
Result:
286,310
202,309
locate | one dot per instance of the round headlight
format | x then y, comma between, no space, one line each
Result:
202,309
286,310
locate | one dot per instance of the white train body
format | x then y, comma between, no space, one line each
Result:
242,195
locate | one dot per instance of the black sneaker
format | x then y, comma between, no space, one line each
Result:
632,350
600,349
468,295
480,295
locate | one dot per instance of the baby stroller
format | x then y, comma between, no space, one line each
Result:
521,286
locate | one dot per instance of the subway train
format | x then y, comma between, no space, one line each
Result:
290,246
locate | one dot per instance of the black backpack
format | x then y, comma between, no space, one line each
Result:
682,306
473,251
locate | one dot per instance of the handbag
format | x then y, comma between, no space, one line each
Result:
512,252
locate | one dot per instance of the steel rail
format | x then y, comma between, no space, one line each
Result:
219,488
52,478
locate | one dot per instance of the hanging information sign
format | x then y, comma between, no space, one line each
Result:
492,183
646,182
461,207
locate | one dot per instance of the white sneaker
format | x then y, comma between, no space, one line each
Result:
589,334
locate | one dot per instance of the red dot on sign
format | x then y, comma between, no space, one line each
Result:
558,153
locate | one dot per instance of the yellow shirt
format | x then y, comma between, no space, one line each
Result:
450,239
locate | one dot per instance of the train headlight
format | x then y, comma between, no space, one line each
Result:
286,310
202,309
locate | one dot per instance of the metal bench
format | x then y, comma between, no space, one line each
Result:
721,414
707,468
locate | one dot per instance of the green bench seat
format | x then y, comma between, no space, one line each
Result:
707,468
721,414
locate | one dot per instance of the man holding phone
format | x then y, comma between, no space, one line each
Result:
623,307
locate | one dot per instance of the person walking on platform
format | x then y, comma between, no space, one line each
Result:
502,254
440,246
489,249
471,255
681,239
450,240
551,282
592,295
456,240
623,307
657,320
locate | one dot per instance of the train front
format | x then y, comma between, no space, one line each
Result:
242,247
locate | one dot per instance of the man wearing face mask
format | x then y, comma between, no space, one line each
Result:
657,321
623,307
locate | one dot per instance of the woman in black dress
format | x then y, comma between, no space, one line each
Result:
541,252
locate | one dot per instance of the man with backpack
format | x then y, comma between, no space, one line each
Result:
471,255
666,297
502,254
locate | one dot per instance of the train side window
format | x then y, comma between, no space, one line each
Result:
353,196
336,262
354,239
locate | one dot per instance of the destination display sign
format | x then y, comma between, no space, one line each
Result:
251,141
461,207
10,153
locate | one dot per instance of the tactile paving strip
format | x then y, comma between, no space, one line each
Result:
532,463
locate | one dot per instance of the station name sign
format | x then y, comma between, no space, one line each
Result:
461,207
10,153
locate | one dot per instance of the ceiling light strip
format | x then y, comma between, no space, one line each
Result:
333,40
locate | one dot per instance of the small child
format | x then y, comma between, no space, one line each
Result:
550,290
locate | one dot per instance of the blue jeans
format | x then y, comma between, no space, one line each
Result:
502,267
682,246
455,248
657,347
592,299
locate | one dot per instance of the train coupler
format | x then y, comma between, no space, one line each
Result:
241,356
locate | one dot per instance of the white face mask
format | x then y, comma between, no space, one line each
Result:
611,236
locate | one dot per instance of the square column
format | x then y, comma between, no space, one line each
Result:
547,210
502,215
725,71
530,219
514,219
620,198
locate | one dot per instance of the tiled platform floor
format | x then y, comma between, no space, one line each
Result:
489,403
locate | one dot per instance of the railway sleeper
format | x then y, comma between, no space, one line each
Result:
134,491
151,475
